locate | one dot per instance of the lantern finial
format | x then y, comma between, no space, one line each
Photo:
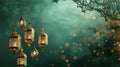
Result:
42,29
21,17
14,29
29,23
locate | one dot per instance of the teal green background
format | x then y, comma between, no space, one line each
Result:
63,22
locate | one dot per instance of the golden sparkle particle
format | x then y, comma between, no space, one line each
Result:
74,35
67,44
63,57
94,51
68,65
99,45
119,59
75,58
62,51
94,18
67,60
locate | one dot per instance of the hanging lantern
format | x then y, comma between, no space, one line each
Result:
43,39
14,41
22,59
29,35
21,23
34,53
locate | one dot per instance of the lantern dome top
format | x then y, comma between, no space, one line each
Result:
29,28
14,34
22,54
43,31
21,18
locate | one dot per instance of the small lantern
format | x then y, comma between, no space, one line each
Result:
21,23
29,35
34,53
22,59
43,39
14,41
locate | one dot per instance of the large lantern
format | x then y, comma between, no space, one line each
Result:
21,23
34,53
29,35
22,59
42,39
14,41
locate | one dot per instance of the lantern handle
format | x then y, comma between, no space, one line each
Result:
42,28
34,47
14,29
21,18
29,23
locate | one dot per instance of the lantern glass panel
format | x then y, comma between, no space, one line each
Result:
21,61
13,42
33,53
43,39
28,35
21,22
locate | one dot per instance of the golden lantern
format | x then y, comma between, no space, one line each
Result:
42,39
29,35
34,53
21,23
14,41
22,59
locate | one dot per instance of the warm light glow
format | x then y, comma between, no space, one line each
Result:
42,39
14,42
21,23
21,59
67,60
34,53
29,35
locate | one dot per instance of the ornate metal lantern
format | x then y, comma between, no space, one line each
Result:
14,41
22,59
29,35
43,39
34,53
21,23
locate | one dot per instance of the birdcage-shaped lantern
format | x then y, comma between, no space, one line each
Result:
29,35
21,59
42,39
21,22
14,42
